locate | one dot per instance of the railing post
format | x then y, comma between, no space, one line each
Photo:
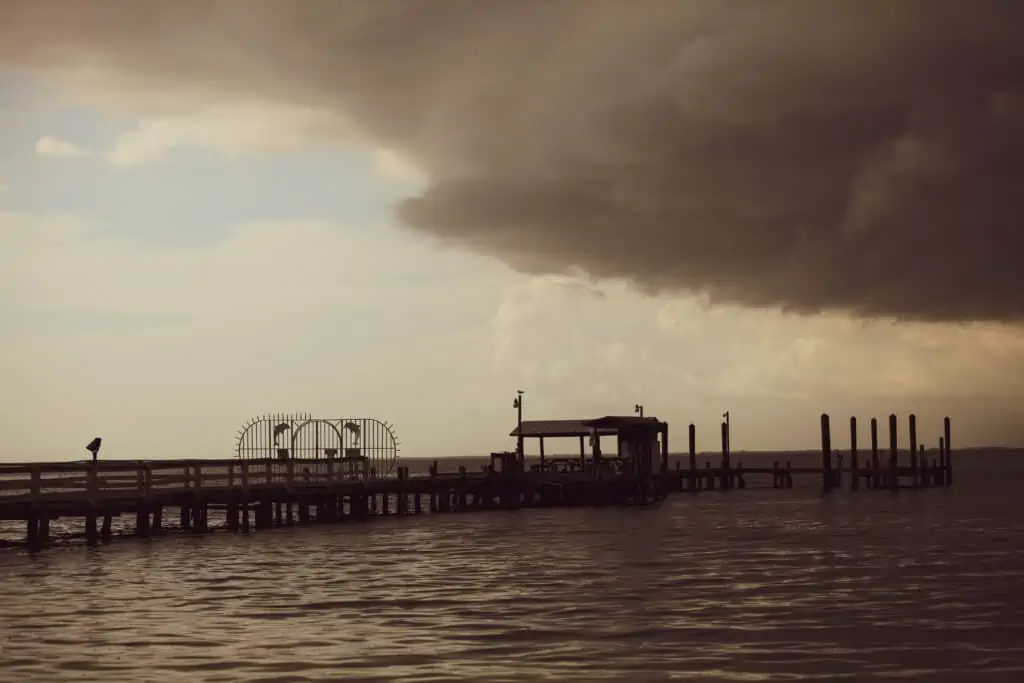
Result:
269,473
245,476
330,471
36,486
199,477
231,476
140,478
289,469
187,480
148,470
92,484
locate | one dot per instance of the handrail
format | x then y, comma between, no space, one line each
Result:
40,482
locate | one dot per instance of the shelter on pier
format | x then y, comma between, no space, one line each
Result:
637,438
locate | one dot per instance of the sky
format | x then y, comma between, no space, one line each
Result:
212,210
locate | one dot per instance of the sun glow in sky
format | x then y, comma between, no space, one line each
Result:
173,265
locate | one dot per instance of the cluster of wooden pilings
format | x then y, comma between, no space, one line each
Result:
891,475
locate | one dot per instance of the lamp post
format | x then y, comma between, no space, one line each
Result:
638,409
728,432
517,403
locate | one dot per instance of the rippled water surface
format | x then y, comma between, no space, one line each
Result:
752,585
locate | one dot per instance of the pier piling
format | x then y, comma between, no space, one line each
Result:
894,480
826,455
693,458
854,469
876,480
948,476
912,435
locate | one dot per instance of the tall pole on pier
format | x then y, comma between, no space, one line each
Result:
728,431
518,405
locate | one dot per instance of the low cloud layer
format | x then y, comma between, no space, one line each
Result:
864,156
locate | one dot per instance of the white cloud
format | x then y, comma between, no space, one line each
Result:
394,165
49,146
64,264
234,130
237,130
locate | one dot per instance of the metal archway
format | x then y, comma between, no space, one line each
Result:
315,439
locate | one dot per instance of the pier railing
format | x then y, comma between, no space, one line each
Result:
40,482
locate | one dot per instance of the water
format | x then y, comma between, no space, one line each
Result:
753,585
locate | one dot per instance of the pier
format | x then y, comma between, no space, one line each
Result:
343,475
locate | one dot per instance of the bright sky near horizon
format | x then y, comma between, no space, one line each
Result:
170,267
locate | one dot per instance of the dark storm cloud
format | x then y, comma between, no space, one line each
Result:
857,155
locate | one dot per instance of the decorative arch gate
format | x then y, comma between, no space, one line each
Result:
300,436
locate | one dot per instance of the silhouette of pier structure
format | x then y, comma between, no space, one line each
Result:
296,469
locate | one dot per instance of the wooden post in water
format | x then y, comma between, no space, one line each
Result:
854,469
726,469
942,461
894,478
948,478
926,472
913,451
875,464
826,455
693,458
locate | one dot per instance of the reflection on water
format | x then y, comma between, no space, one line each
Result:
758,585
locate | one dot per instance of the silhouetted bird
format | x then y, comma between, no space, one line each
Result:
94,447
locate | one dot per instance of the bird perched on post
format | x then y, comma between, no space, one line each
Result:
94,447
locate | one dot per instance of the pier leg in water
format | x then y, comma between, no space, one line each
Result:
90,529
32,531
922,463
948,477
854,469
826,455
142,522
912,435
106,530
942,461
693,459
894,455
875,463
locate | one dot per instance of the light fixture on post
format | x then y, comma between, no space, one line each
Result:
517,403
638,409
728,432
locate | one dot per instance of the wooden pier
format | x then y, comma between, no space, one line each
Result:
259,493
